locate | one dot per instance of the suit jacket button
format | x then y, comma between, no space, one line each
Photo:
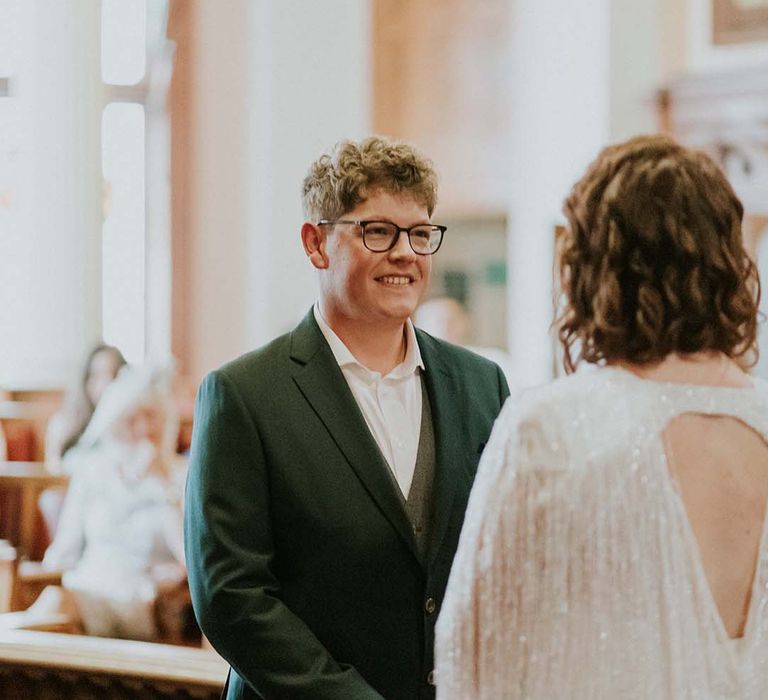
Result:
431,677
430,606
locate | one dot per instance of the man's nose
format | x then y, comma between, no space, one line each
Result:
402,247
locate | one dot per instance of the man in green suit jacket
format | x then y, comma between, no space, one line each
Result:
330,469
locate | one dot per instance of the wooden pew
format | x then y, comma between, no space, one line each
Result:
23,417
8,566
21,484
47,665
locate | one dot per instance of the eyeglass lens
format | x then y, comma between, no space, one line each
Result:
379,236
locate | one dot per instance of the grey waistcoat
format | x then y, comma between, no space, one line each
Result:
419,505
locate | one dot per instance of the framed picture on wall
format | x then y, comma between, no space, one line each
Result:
739,21
727,34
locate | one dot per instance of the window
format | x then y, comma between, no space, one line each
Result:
135,163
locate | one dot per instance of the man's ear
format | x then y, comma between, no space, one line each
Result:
314,240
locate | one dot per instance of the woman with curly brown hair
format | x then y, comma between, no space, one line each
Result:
614,545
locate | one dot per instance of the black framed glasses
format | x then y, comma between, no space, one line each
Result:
381,236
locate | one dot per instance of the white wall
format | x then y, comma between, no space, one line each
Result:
309,88
648,48
634,67
279,82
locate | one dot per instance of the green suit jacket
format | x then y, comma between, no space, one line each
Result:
302,563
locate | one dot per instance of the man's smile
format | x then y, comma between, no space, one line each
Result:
396,280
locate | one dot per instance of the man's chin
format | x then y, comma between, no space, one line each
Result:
398,312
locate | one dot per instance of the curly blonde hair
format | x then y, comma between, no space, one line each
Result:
652,261
337,182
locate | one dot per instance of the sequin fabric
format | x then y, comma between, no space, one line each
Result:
577,574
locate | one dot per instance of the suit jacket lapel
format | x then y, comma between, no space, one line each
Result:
449,453
323,385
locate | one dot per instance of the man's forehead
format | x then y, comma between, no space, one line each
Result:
404,198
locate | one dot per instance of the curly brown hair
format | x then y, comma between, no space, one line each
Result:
652,261
337,182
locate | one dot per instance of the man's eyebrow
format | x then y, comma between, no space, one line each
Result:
387,220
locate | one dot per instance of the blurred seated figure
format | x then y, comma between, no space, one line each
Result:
119,540
446,318
67,425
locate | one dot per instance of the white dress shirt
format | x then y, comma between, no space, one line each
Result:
390,404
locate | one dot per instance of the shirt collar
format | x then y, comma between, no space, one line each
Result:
344,358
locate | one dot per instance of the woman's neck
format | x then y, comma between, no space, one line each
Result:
705,368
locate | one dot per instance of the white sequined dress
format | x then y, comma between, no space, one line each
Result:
111,535
577,575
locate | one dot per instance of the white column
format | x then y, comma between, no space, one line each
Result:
560,117
50,303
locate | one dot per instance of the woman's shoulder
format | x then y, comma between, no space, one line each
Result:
588,390
760,385
557,422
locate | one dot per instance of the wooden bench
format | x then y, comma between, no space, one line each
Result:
24,418
47,665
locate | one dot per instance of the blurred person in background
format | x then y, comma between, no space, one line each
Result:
119,540
447,319
66,426
615,542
